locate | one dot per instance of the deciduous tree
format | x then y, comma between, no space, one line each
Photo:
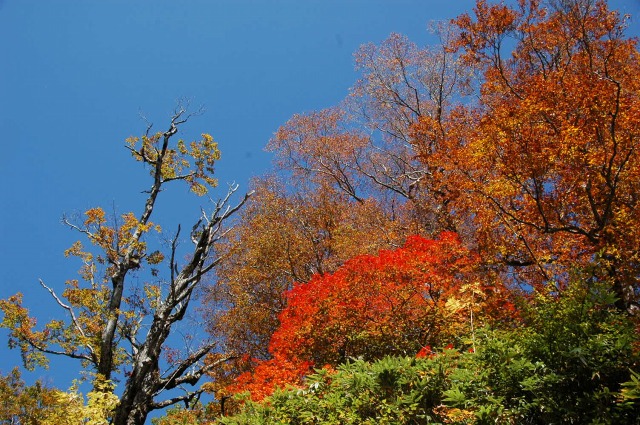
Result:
118,328
392,303
363,148
547,165
21,403
348,183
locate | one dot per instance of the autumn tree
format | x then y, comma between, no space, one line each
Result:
282,238
40,404
362,147
537,169
394,302
427,293
546,164
117,328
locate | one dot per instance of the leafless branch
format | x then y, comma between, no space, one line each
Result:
179,376
85,232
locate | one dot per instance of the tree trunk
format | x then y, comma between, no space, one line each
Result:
137,399
134,415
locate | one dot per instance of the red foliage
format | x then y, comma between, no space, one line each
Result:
394,303
424,352
269,375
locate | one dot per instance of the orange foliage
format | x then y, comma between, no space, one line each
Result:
540,175
546,165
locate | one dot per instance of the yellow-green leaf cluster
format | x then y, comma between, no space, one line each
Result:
192,162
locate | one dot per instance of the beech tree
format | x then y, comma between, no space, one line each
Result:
362,146
119,329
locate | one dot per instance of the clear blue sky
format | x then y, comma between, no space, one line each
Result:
74,76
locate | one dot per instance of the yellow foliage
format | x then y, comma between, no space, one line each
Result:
94,216
75,250
71,409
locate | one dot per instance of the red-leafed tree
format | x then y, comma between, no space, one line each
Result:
426,293
346,182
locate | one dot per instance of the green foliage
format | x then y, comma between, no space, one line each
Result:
630,392
393,390
573,361
178,415
566,365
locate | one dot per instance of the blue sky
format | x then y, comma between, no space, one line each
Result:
75,75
